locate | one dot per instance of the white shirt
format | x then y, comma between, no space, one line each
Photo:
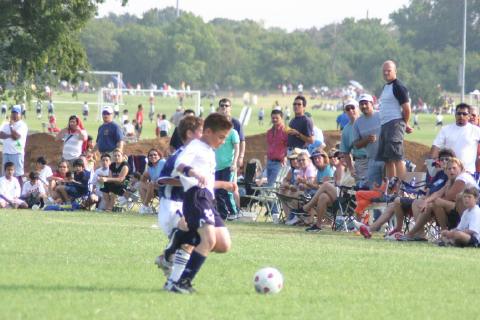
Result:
201,157
10,189
28,188
11,146
85,107
72,145
129,129
467,179
164,125
100,172
463,140
45,173
470,220
124,117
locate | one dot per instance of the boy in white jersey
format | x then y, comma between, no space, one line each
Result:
197,167
467,233
10,189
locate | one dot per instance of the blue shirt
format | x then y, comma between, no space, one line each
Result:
109,135
304,125
326,172
238,127
346,145
154,171
342,120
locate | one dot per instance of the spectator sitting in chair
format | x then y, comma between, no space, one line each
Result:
149,184
441,204
76,188
10,189
33,191
114,184
305,177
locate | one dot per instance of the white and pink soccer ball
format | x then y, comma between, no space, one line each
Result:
268,281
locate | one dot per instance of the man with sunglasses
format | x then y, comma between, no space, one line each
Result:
300,133
357,167
110,135
394,116
462,137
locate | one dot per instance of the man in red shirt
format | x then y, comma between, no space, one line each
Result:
277,138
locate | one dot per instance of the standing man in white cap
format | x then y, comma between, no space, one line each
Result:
14,135
366,131
110,135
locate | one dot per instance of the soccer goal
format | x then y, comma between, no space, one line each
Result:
154,101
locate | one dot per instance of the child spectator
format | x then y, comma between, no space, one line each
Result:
33,191
10,189
76,187
467,233
43,170
103,171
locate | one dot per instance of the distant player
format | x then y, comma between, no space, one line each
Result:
197,167
50,108
85,110
38,109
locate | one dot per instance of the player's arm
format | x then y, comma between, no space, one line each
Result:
190,172
236,151
227,185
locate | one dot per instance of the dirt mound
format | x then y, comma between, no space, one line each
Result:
257,146
44,144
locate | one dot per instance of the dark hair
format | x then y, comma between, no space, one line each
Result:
69,174
78,163
140,106
304,101
462,105
472,191
33,175
224,100
446,153
160,155
106,155
8,165
217,122
189,123
73,118
41,160
189,112
276,111
89,138
164,116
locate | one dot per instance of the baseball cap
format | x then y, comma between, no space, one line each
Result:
16,108
350,102
365,97
107,109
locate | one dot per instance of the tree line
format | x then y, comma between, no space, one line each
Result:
424,38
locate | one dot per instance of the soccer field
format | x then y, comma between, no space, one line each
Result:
63,265
325,120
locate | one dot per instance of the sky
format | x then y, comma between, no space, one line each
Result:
289,15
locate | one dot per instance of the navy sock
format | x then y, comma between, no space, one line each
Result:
193,265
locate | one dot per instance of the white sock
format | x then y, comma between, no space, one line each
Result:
179,262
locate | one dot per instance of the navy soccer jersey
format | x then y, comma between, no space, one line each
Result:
167,191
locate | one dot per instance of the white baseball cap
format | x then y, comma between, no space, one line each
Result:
365,97
108,109
350,102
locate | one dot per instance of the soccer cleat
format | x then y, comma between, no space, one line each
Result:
313,229
163,264
145,210
183,286
394,236
365,232
168,285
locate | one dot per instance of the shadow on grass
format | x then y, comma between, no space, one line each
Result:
77,288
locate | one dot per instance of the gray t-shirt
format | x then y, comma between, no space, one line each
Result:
364,127
394,94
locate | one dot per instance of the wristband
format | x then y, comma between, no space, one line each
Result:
186,169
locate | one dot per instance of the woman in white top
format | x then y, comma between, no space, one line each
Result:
73,136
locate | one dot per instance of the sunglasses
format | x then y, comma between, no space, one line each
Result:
462,114
349,108
444,158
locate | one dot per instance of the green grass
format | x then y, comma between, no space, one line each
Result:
61,265
325,120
